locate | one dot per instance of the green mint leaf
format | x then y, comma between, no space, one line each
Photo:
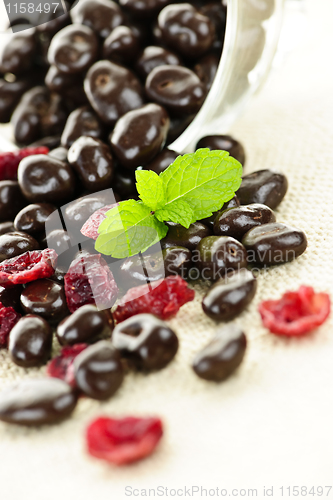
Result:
178,211
128,229
204,179
150,188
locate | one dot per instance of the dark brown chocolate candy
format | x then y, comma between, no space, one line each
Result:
206,69
102,16
10,297
112,91
222,355
92,160
16,243
230,295
99,371
147,342
122,45
177,88
11,200
236,222
31,219
10,94
81,121
45,179
154,56
45,298
177,260
186,30
73,49
86,325
274,243
225,143
162,161
30,341
179,236
17,51
264,186
209,221
37,402
140,135
217,255
143,9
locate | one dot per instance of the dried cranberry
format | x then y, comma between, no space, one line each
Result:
90,227
8,318
163,298
90,281
9,161
62,366
124,440
29,266
296,313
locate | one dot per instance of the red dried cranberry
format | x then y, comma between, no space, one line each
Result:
90,281
124,440
9,161
62,366
29,266
296,313
162,298
90,227
8,318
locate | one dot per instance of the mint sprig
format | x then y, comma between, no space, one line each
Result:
191,188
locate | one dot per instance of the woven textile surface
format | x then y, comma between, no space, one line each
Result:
270,423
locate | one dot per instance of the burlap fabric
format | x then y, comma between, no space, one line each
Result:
271,423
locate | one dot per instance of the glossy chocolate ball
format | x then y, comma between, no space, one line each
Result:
220,358
147,342
177,88
17,51
122,46
99,371
30,341
102,16
73,49
45,298
225,143
45,179
92,160
236,222
162,161
81,121
86,325
31,219
179,236
140,135
11,200
16,243
153,56
264,186
209,221
112,91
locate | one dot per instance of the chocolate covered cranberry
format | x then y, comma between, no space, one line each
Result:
209,221
177,260
217,255
186,30
57,81
43,178
87,324
177,88
179,236
147,342
6,227
145,8
123,183
153,56
230,295
264,186
45,298
206,69
30,341
73,49
78,211
59,240
38,114
102,16
31,219
37,402
11,200
112,91
220,358
139,135
122,45
274,243
16,243
99,371
10,94
236,222
225,143
162,161
141,269
81,121
92,161
17,51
